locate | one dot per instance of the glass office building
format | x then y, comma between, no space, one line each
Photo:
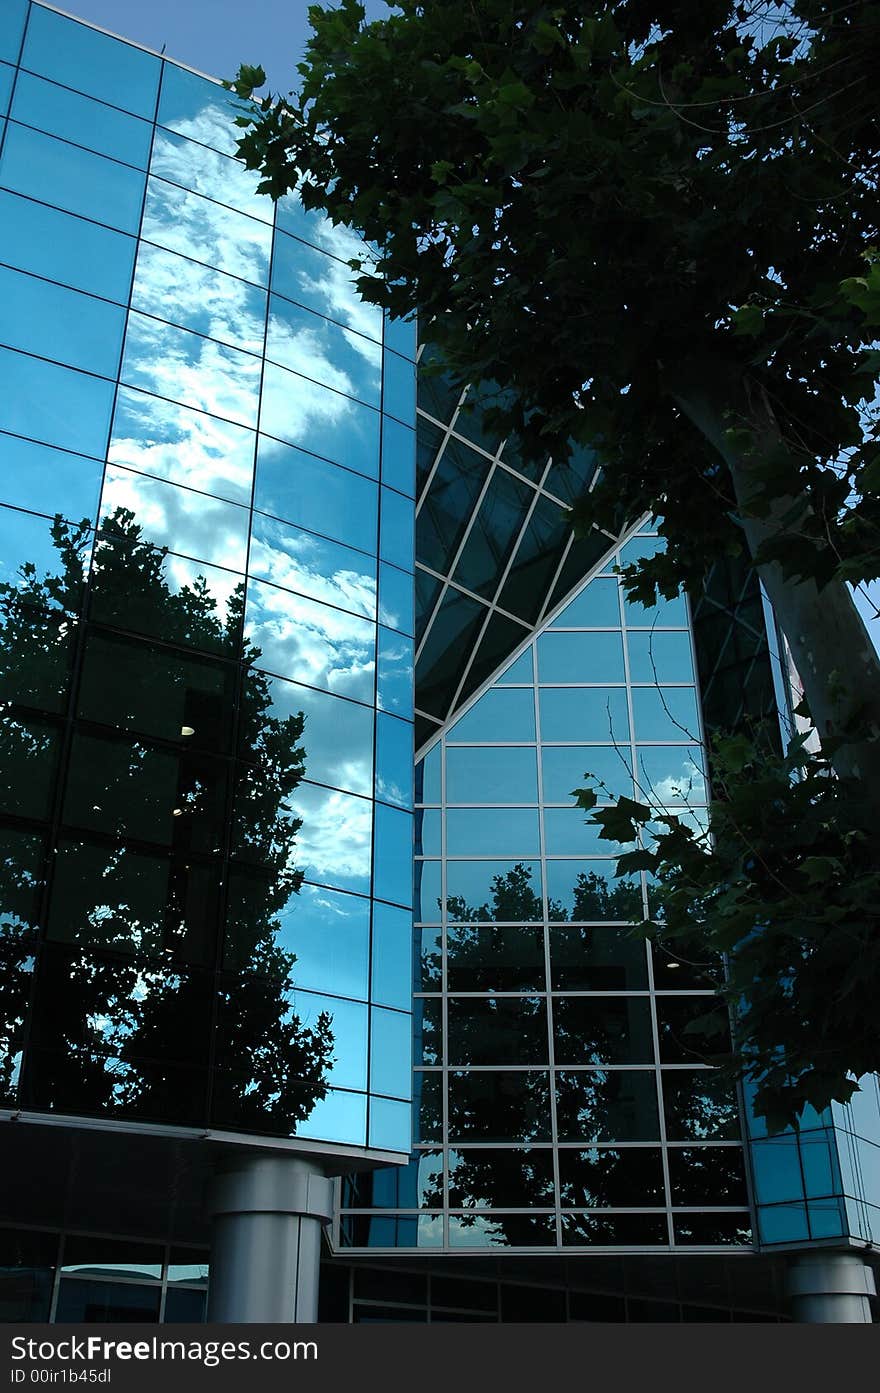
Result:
295,695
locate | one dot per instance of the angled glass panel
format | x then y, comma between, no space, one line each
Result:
316,347
209,173
53,404
194,226
522,670
337,735
580,657
398,456
340,1116
607,1105
173,442
348,1026
500,636
399,387
313,566
666,714
309,642
506,891
602,767
428,831
199,109
335,841
187,368
597,960
596,607
7,74
589,891
579,714
536,560
483,775
394,675
178,518
70,178
301,412
321,280
64,483
492,832
493,534
84,58
12,18
58,111
394,760
447,507
495,958
396,597
390,1125
602,1030
447,650
426,876
659,657
393,873
316,494
428,774
497,716
39,317
500,1106
390,1052
64,248
194,296
396,529
391,983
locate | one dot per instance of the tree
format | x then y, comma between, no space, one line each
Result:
654,228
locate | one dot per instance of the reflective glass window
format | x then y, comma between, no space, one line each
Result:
196,297
6,79
396,598
348,1026
395,673
602,1030
486,775
58,111
334,842
712,1229
707,1175
500,890
631,1178
313,566
27,541
580,657
316,347
396,529
194,226
82,1300
603,767
392,956
502,1105
64,248
596,607
390,1124
323,282
84,58
665,713
522,1179
682,1039
195,107
449,504
297,221
309,642
570,832
522,670
340,1116
22,853
659,657
662,613
315,494
672,775
622,1230
185,367
428,777
70,178
394,760
426,876
699,1106
607,1105
497,1030
54,404
325,931
597,960
401,335
495,958
448,649
39,317
427,1030
390,1052
209,173
337,735
493,534
174,442
12,18
504,1230
393,873
399,387
585,713
64,483
536,560
178,518
492,832
398,456
499,715
429,962
301,412
39,644
589,890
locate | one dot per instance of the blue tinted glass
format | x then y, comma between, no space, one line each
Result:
783,1223
393,876
399,388
348,1027
72,117
337,737
401,335
499,715
27,540
194,226
330,935
398,456
428,774
665,713
826,1220
672,774
56,405
521,670
339,1117
6,76
596,607
492,832
580,657
174,442
665,613
324,422
638,547
39,317
208,173
396,528
428,832
396,598
819,1161
390,1053
63,248
491,776
395,673
293,218
427,891
394,760
66,484
313,566
196,297
317,495
569,832
589,891
184,367
333,844
565,768
308,343
392,956
324,282
310,642
659,657
12,17
89,61
200,109
70,178
178,518
579,714
495,890
391,1126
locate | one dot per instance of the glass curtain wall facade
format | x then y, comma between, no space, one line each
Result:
207,467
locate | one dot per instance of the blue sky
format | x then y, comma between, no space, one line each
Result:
214,35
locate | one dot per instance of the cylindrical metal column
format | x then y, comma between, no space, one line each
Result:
266,1240
830,1287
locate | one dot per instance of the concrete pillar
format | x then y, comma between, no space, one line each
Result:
827,1287
266,1239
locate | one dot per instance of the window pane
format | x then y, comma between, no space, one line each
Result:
394,760
499,1106
596,607
337,736
499,890
84,58
315,494
399,388
396,529
64,248
581,714
607,1105
66,114
589,890
323,282
492,958
672,774
497,1030
393,875
597,960
489,1179
300,412
70,178
482,832
175,364
628,1179
314,346
395,673
659,657
205,171
311,566
56,405
194,226
173,442
64,483
498,716
334,842
665,713
196,297
396,597
398,456
390,1053
491,776
580,657
196,107
12,18
310,642
568,767
602,1030
178,518
392,956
